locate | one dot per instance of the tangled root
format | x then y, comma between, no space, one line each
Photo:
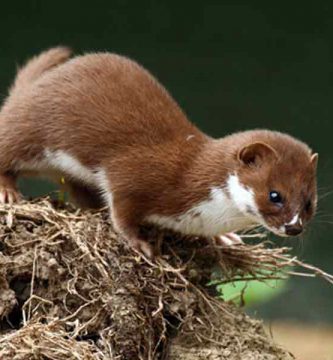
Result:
70,288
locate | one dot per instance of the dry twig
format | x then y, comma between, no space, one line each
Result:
71,288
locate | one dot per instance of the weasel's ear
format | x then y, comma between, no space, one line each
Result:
256,154
314,160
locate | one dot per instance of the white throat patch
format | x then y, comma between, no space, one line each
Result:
214,216
242,196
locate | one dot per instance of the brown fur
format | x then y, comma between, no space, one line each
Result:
39,65
290,170
108,112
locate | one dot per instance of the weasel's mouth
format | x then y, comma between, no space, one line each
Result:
281,231
260,220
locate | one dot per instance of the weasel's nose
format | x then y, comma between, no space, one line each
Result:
294,229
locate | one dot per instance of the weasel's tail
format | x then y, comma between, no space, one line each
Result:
38,65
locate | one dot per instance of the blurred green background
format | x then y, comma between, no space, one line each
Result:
231,67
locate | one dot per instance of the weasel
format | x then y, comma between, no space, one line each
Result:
117,136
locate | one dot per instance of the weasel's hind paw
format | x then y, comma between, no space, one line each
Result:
9,195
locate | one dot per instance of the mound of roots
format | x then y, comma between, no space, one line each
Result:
70,288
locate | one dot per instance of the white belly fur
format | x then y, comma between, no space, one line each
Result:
58,163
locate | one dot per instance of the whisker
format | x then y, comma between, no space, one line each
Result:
324,217
301,247
323,222
323,196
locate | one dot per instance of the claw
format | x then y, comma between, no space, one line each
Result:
9,196
229,239
143,247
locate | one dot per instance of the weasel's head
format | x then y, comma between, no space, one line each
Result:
275,184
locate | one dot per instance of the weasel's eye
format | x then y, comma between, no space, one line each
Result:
275,197
308,206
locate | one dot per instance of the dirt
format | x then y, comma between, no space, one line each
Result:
71,288
305,341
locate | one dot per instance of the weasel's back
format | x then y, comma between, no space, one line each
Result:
104,96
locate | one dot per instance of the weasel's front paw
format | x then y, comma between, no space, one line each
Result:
229,239
9,195
143,247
